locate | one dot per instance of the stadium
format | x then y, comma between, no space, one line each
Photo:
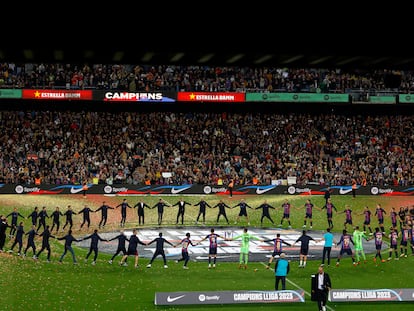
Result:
91,128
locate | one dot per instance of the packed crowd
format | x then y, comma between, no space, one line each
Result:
201,78
63,147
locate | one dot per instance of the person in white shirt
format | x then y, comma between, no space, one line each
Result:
321,288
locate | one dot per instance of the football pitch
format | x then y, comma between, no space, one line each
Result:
29,284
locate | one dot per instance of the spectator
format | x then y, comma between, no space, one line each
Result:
333,165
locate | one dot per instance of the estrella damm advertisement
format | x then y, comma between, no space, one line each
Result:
57,94
218,97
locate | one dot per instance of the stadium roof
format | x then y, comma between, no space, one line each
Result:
283,55
288,34
311,38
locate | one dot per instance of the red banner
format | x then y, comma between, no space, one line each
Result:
221,97
57,94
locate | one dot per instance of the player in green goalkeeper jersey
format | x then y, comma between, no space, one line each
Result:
357,236
245,237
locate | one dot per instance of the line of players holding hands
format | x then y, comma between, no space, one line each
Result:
401,230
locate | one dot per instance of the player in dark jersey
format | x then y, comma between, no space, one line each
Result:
159,249
104,214
309,206
345,242
34,216
122,239
304,239
277,248
265,212
330,207
13,224
348,216
212,238
31,234
123,205
286,206
202,210
18,240
42,218
46,235
222,211
243,211
160,209
367,219
393,217
3,227
405,237
69,239
185,256
140,206
181,210
401,215
69,219
393,236
86,212
411,231
56,219
132,248
380,212
95,238
378,238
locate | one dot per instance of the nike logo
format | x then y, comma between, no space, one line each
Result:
175,191
344,191
75,190
169,299
261,191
